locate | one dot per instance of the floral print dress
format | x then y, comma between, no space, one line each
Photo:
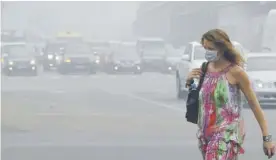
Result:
221,125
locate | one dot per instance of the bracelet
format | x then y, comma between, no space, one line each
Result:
267,138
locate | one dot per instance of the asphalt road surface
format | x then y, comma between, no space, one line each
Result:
103,117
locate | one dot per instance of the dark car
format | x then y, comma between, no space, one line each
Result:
153,54
20,60
125,59
76,58
51,53
102,50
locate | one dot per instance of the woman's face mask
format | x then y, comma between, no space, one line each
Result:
211,56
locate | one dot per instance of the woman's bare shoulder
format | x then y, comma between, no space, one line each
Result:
238,73
236,70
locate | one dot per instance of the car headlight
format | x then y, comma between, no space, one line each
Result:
57,57
97,61
32,62
10,62
67,60
50,56
260,84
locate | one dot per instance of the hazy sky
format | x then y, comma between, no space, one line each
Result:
103,20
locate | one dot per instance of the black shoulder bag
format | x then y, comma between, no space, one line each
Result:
192,104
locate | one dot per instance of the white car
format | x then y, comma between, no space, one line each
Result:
193,57
261,68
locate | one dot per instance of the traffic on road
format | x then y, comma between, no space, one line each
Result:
73,96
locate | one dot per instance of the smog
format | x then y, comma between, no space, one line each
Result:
107,80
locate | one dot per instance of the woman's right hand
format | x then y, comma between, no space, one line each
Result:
195,73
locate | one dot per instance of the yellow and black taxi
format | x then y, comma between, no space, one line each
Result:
77,57
20,59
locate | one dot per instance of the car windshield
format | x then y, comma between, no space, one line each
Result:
54,47
100,50
261,63
99,45
154,48
128,49
78,49
12,37
18,52
127,52
172,52
199,53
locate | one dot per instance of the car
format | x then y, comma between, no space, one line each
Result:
50,54
77,57
153,54
261,69
193,57
101,49
20,59
125,60
172,59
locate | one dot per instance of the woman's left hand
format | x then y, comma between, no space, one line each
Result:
269,149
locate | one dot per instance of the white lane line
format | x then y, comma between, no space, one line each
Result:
75,76
63,142
156,103
95,114
87,143
55,77
57,91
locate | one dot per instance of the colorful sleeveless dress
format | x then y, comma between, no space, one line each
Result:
220,106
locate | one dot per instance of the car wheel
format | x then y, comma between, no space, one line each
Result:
34,73
138,72
8,73
46,68
92,71
180,93
61,71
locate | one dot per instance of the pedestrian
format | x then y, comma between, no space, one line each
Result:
220,121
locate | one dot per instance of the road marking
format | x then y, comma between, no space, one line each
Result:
156,103
57,91
55,77
94,114
62,143
65,142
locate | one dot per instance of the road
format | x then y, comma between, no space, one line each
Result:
103,117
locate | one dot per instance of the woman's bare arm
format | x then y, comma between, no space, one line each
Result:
245,85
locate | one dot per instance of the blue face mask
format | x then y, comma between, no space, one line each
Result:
211,56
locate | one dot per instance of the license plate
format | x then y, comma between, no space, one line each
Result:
21,67
80,67
127,65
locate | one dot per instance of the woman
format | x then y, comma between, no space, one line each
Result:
221,130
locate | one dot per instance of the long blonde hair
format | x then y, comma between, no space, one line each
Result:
222,41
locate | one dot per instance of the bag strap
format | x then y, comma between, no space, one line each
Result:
204,67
